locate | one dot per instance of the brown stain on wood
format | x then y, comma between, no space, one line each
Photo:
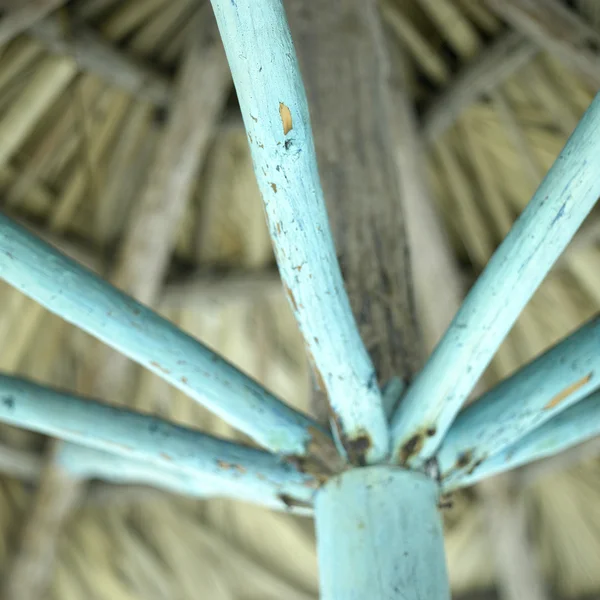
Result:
411,448
561,396
357,448
464,458
290,296
318,375
286,118
227,466
274,187
160,368
291,502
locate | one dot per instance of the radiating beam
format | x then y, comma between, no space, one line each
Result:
536,393
89,463
575,425
273,102
177,452
539,236
84,299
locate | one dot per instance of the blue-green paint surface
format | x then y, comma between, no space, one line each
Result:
254,474
89,463
539,236
84,299
575,425
539,391
275,111
380,537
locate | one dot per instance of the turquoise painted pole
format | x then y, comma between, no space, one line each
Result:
564,198
379,536
575,425
84,299
535,394
275,111
228,468
88,463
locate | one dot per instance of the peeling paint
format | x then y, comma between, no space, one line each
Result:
464,458
292,502
476,464
231,466
156,365
286,118
562,396
411,448
357,449
290,296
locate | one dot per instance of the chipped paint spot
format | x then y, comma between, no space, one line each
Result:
357,448
476,464
160,368
286,118
431,431
464,458
231,466
411,448
274,187
561,396
278,227
292,502
254,118
184,380
166,456
290,296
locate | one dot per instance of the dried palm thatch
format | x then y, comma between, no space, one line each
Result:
120,142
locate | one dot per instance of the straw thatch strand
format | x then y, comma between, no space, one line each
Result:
96,55
494,64
19,16
561,31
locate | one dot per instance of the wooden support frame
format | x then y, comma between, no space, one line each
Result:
262,59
